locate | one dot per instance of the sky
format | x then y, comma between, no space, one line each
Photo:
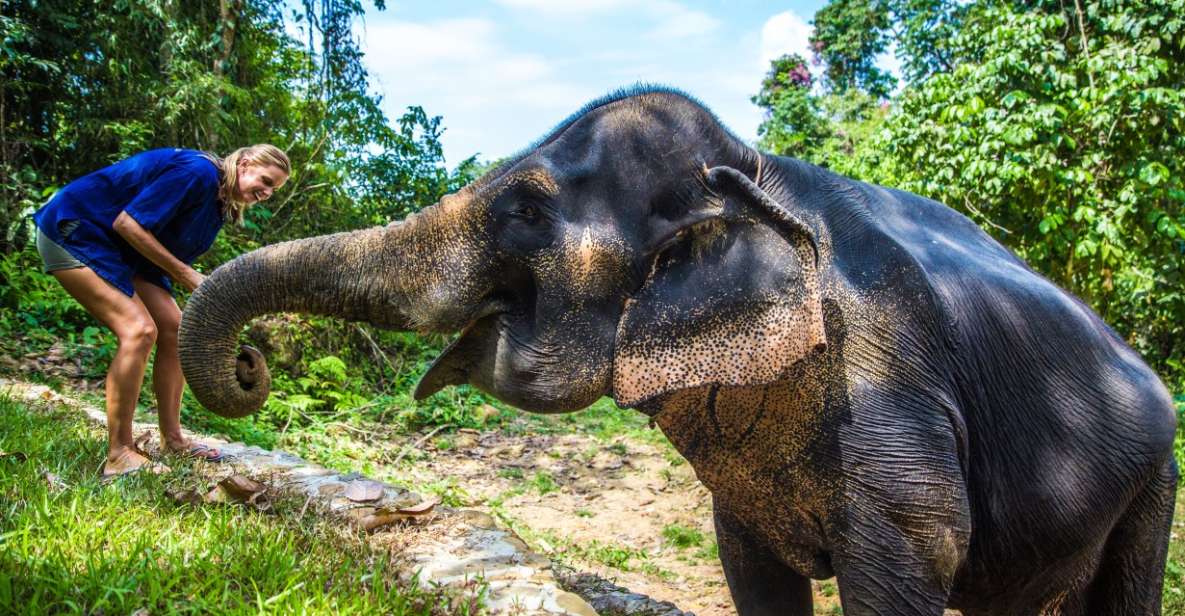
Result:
502,73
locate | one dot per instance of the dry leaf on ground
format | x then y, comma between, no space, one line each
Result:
384,516
364,491
233,489
15,456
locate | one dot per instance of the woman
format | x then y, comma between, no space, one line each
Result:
116,239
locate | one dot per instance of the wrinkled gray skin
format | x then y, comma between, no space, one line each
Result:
870,386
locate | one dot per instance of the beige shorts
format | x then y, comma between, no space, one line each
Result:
53,256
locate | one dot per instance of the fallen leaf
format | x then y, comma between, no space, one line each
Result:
189,497
419,508
241,488
330,489
260,501
217,494
364,491
485,412
384,516
15,456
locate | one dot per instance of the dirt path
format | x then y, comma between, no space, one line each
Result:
601,509
630,510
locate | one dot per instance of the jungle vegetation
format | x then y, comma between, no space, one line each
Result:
1055,125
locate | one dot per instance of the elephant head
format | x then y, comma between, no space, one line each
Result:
631,252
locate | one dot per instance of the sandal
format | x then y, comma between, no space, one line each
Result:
156,468
199,451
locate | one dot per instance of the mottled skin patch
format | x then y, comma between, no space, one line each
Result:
870,386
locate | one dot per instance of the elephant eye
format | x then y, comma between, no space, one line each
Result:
526,212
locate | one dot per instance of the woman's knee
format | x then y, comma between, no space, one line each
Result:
166,331
139,335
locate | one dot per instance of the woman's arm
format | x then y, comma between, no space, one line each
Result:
146,244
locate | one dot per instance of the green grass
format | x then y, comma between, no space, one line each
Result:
602,420
510,472
81,547
544,483
681,536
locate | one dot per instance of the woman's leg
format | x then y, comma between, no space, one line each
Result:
128,318
167,380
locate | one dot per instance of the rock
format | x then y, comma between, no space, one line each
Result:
606,461
485,413
464,441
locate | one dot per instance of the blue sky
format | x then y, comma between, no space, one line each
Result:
503,72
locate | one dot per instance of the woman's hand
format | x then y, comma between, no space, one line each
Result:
192,280
146,244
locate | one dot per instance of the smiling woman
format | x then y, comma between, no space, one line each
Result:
117,238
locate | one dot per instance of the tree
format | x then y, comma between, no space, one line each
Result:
1057,126
1060,131
793,122
825,129
83,84
850,35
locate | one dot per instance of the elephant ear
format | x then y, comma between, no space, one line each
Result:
731,299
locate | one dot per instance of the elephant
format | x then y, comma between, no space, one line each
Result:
869,385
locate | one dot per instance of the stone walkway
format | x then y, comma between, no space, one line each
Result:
443,547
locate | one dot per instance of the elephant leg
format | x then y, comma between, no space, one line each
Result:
881,571
1131,573
760,584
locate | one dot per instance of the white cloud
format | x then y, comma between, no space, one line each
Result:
676,21
413,43
501,81
488,93
782,34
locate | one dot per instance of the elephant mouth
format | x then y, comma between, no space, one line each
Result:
476,343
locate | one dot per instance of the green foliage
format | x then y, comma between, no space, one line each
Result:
1072,158
709,552
793,120
682,537
544,483
74,545
36,314
1174,572
1057,129
828,129
848,36
325,386
87,83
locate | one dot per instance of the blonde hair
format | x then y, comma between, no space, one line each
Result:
228,174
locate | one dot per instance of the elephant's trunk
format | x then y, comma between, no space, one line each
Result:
342,275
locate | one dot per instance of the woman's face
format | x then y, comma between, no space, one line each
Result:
258,182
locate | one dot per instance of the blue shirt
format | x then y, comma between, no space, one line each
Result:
173,193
